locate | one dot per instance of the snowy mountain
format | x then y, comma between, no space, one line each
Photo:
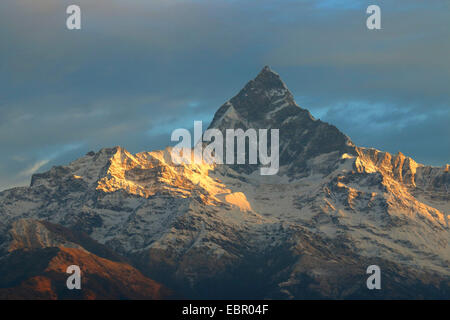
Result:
225,231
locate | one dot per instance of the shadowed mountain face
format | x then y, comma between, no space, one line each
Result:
266,103
219,231
40,252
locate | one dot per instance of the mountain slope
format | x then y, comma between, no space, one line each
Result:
266,103
211,231
37,257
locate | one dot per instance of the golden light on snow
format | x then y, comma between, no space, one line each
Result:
148,173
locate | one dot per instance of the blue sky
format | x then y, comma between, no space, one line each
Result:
139,69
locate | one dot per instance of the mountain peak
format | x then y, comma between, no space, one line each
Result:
269,80
266,103
267,72
257,101
267,69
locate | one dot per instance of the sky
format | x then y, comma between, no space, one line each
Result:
139,69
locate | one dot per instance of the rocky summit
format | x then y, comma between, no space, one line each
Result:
143,227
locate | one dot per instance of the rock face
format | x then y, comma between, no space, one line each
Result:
266,103
219,231
40,252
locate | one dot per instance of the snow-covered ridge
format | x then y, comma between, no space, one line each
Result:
195,221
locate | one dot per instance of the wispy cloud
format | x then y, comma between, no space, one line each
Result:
33,168
138,67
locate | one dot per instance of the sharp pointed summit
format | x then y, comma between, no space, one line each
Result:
258,99
266,103
269,78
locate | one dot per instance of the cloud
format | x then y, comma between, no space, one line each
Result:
138,68
35,167
397,128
